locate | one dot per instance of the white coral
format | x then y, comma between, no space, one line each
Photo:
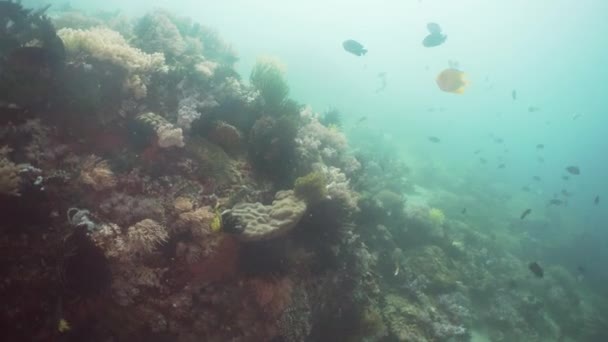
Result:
169,136
107,45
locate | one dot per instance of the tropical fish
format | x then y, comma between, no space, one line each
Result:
354,47
433,28
525,213
540,146
596,201
452,81
514,94
434,139
361,119
555,201
535,268
435,37
574,170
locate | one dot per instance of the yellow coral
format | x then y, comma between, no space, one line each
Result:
9,178
436,216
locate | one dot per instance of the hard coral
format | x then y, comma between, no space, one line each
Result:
146,235
102,45
156,33
263,222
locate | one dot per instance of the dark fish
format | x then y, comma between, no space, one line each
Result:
574,170
540,159
533,109
535,268
433,40
540,146
354,47
596,201
501,166
434,139
555,201
581,269
483,160
536,178
361,119
464,211
564,177
566,193
525,213
525,188
576,116
435,37
476,151
514,94
433,28
498,140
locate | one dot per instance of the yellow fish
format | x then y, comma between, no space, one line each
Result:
452,81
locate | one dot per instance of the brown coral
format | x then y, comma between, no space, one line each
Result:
225,135
182,204
272,295
146,235
96,173
198,222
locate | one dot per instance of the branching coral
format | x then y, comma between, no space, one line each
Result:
105,45
156,32
96,173
101,44
338,186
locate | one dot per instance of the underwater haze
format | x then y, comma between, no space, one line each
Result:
399,170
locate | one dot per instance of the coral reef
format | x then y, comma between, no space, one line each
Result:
146,194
